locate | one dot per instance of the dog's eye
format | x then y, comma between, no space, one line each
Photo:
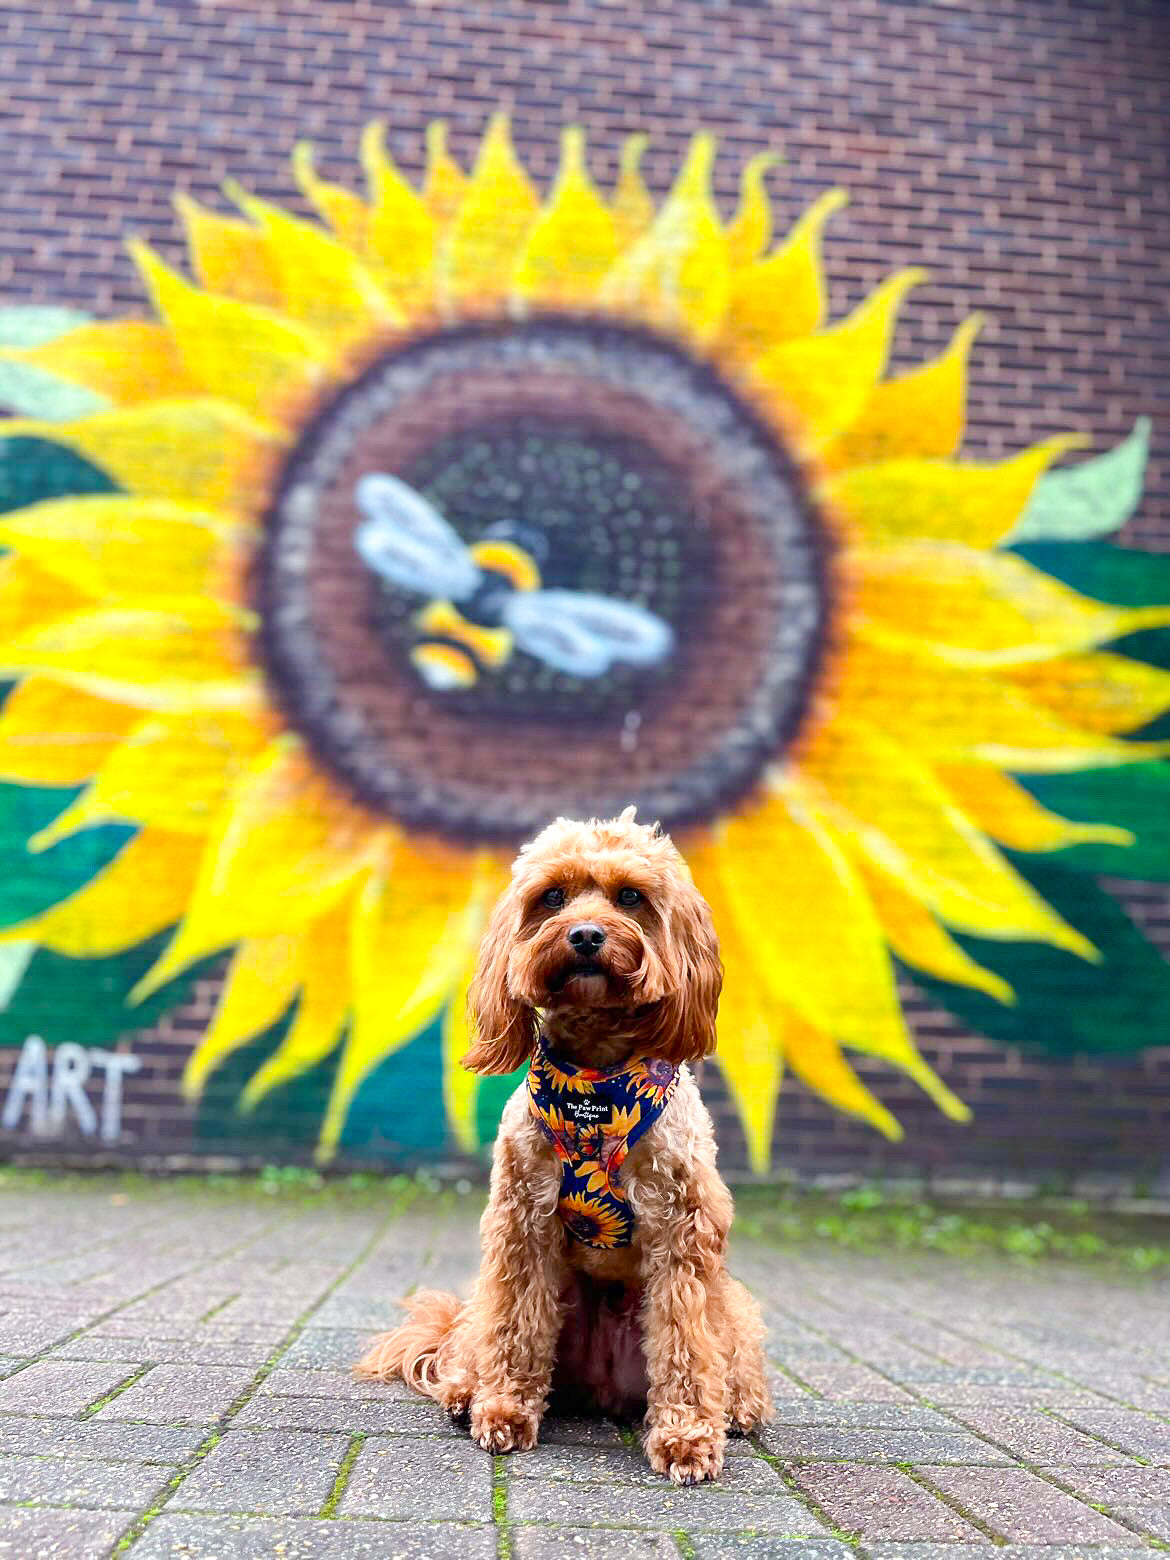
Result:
554,898
628,897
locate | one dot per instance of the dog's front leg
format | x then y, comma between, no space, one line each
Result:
689,1391
516,1310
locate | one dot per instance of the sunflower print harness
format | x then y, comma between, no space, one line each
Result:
593,1118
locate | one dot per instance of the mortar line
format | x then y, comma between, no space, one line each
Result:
136,1375
809,1502
331,1502
912,1473
500,1477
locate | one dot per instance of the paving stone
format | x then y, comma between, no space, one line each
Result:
990,1551
338,1385
59,1387
573,1430
417,1417
1036,1438
1133,1432
848,1382
741,1546
195,1350
279,1472
829,1444
628,1465
67,1481
860,1416
1009,1396
166,1444
1024,1508
42,1533
319,1348
555,1543
449,1480
180,1394
704,1509
1139,1495
879,1503
173,1536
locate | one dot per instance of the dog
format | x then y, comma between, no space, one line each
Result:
603,1276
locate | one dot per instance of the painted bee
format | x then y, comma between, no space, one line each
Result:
487,599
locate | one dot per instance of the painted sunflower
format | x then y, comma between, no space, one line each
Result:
593,1221
327,769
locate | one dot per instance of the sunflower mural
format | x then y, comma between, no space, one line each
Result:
391,535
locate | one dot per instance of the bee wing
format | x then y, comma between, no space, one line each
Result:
582,633
407,541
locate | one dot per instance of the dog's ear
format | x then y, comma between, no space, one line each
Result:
687,1029
504,1027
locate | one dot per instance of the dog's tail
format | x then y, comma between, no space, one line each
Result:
412,1350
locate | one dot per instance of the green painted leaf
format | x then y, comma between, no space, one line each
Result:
398,1113
1065,1004
29,391
1123,576
1090,499
35,469
31,325
31,883
85,999
1133,796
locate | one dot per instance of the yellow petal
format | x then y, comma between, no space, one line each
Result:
573,241
322,283
633,204
1096,692
750,231
974,608
783,295
903,500
229,256
820,949
1001,807
460,1087
169,771
918,939
950,717
920,413
237,351
402,230
414,927
749,1028
340,208
887,804
321,1012
445,183
822,382
31,597
50,735
261,982
283,851
154,659
818,1061
198,451
125,360
142,891
498,208
135,549
677,274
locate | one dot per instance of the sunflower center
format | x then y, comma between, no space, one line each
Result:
522,570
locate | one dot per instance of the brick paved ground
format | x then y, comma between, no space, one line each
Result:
175,1384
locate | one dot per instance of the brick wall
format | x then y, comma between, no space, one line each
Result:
1019,150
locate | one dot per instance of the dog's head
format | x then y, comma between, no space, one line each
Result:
597,915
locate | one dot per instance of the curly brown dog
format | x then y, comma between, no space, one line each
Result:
600,967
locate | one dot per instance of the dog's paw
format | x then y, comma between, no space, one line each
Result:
686,1454
504,1424
749,1410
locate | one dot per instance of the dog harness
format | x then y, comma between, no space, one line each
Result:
593,1118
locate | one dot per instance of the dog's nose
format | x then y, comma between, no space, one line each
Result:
586,937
